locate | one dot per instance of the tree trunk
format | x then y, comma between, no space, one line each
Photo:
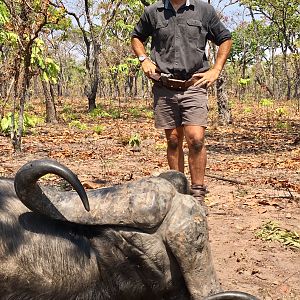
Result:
144,87
264,86
136,85
60,79
17,134
224,110
286,72
273,69
92,62
36,90
297,79
26,76
51,116
91,87
7,98
129,86
90,90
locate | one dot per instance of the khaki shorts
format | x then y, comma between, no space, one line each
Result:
174,108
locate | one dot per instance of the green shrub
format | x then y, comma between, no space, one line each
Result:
67,113
78,125
283,125
135,112
99,112
280,112
244,81
98,129
67,109
271,231
161,146
247,110
114,113
149,114
266,102
135,140
102,113
29,121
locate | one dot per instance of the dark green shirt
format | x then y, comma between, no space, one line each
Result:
179,38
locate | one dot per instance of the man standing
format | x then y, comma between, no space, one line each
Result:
180,71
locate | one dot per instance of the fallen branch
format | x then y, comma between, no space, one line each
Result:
225,179
291,195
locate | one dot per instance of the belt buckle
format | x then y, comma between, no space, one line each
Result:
177,84
172,83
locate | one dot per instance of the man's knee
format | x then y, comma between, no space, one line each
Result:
173,142
196,144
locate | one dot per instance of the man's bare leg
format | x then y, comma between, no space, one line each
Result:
197,162
197,153
175,154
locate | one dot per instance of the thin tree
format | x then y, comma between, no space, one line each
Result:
26,19
224,111
92,35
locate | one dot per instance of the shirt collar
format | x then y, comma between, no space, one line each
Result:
167,3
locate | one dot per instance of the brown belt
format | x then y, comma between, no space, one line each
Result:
176,84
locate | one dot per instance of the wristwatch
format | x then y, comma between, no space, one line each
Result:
142,58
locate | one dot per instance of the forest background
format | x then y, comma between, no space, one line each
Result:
72,90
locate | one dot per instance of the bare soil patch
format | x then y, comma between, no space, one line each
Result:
253,175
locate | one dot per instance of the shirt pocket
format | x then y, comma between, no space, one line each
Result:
194,28
162,30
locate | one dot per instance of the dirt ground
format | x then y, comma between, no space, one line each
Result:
253,176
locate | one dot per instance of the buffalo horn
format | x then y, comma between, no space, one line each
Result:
33,197
140,204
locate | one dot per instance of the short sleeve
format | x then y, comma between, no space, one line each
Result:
143,29
217,32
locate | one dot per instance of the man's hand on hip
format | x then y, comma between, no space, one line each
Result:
207,78
150,69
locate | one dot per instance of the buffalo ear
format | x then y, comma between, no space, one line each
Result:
178,179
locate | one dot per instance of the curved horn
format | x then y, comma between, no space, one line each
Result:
142,204
33,197
231,295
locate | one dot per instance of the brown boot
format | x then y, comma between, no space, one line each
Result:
198,192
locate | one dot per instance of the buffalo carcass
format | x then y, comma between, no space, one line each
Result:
141,240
